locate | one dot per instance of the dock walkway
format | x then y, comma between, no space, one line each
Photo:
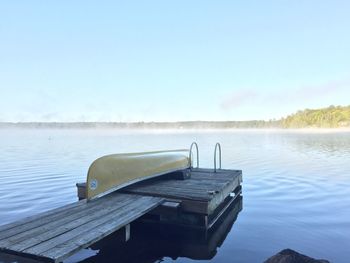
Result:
55,235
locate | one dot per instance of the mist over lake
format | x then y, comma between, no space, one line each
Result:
295,184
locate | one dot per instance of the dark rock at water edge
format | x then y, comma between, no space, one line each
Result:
291,256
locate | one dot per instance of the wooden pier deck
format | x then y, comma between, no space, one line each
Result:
202,193
55,235
196,202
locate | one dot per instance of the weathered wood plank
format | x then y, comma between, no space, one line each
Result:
221,195
65,224
221,174
66,244
88,226
202,193
191,184
171,189
166,193
211,171
198,176
34,218
30,229
119,211
195,193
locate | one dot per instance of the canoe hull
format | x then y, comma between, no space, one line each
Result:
115,171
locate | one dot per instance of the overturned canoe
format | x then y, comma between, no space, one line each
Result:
112,172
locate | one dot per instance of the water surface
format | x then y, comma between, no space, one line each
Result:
296,189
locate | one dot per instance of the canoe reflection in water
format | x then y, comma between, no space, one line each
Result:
151,242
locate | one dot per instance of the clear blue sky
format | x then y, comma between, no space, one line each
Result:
171,60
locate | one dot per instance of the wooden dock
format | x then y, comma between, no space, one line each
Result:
154,241
55,235
196,202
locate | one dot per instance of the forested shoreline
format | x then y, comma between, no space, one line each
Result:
330,117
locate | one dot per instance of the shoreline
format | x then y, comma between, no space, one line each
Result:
154,128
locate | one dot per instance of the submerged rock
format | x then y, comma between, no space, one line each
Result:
291,256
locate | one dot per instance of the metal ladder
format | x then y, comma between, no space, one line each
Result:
191,155
217,150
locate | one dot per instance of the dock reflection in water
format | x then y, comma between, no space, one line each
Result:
152,242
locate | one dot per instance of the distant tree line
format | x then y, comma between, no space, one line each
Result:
331,117
145,125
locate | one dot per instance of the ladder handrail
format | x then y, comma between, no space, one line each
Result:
217,146
191,154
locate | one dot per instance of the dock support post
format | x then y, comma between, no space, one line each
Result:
127,233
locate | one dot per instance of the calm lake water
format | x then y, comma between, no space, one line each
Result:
296,189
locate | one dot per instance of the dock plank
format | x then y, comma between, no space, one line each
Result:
33,228
92,226
172,192
202,193
192,189
65,224
34,218
54,241
90,237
